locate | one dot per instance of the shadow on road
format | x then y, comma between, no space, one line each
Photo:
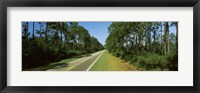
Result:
50,66
86,55
56,65
60,65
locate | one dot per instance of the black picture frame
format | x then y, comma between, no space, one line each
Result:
100,3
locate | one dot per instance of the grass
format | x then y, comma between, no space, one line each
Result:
53,65
108,62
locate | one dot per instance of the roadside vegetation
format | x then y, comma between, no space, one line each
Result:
47,42
52,65
108,62
146,45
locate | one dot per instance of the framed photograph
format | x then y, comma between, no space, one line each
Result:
99,46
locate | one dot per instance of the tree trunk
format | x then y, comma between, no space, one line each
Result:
161,32
73,44
46,31
149,40
33,30
168,41
140,43
60,40
61,26
164,39
154,41
127,44
65,40
40,26
26,30
146,40
136,44
161,38
177,37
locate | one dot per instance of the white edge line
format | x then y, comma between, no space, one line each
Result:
95,61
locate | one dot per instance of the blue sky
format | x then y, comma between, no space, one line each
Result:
96,29
100,29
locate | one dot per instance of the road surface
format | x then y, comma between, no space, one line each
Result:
82,64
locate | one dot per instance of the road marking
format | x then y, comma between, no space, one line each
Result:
70,68
82,61
95,61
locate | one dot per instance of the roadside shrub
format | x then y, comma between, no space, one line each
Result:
75,52
173,61
151,62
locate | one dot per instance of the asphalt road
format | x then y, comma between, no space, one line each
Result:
81,64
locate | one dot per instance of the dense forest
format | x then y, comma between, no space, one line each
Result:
147,45
53,41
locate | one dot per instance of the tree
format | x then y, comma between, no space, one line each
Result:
176,24
26,33
40,33
33,30
46,31
74,33
96,45
161,35
66,35
55,41
166,38
168,41
141,44
61,26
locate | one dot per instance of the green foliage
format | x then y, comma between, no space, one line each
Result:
55,41
155,62
144,44
152,62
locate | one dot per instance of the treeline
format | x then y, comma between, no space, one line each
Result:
46,42
147,45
